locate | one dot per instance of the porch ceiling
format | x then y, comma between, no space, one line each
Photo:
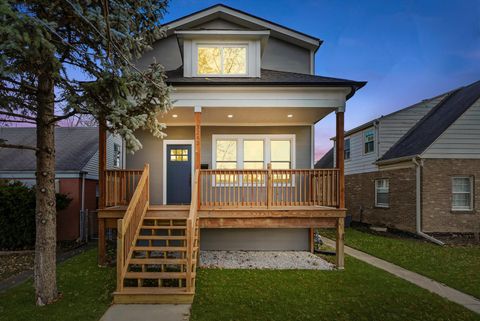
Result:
246,116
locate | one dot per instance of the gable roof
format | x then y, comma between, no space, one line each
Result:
434,123
74,147
245,19
267,78
326,161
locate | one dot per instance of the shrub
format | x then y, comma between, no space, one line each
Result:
17,215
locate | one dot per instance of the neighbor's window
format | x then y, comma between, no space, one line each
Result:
381,193
116,155
347,148
369,141
222,60
462,188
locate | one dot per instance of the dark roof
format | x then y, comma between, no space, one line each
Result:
245,13
326,161
268,78
434,123
74,147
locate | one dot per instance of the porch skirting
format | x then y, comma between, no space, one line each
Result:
258,239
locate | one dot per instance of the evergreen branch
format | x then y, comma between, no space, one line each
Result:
17,115
5,145
6,120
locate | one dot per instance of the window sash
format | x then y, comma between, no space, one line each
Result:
222,47
369,141
346,149
382,193
462,193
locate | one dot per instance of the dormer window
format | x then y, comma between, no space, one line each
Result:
222,59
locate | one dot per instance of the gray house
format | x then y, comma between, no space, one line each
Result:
76,169
236,169
417,169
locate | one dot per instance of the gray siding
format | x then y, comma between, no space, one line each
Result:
461,139
359,162
284,56
217,24
255,239
92,166
392,127
166,52
152,151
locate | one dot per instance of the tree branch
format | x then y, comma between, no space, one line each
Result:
70,114
4,145
17,115
17,121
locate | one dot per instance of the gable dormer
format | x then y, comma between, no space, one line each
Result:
224,42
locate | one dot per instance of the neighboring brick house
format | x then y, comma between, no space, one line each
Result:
418,169
76,167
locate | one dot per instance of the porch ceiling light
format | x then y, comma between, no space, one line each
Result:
174,115
230,116
289,115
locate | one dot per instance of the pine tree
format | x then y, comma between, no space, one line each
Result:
60,59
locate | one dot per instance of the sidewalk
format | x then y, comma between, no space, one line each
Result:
442,290
147,312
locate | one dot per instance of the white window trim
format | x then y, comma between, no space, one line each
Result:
383,205
190,49
363,140
463,209
266,138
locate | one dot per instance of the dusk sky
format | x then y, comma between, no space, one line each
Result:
406,50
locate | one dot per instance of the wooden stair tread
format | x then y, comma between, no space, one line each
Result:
161,237
157,275
153,290
160,248
161,215
157,261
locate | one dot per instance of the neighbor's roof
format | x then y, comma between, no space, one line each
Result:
74,147
326,161
241,17
434,123
267,78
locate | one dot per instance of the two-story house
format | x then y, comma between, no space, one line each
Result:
418,169
236,169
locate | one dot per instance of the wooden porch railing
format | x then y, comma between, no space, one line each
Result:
128,227
120,184
269,187
192,234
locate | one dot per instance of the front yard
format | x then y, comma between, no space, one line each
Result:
361,292
455,266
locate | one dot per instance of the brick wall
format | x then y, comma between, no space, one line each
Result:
360,199
437,195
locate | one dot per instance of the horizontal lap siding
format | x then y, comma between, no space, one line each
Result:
461,139
359,162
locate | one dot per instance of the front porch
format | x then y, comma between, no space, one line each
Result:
158,244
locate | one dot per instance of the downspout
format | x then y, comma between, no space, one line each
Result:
82,209
418,203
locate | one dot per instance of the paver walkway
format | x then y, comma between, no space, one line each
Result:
147,312
442,290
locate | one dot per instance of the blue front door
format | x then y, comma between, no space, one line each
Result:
179,174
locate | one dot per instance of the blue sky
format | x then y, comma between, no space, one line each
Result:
407,50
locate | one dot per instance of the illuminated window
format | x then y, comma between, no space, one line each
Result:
179,155
222,60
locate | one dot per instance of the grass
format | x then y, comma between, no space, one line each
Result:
455,266
361,292
86,290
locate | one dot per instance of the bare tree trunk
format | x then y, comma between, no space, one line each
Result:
45,218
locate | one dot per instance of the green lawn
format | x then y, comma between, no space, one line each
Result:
455,266
360,292
86,291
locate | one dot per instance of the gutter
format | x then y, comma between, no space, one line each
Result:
418,203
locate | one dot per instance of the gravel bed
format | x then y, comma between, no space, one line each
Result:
276,260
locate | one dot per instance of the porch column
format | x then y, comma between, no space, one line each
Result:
102,165
340,165
198,136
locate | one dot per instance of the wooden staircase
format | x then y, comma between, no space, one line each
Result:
157,263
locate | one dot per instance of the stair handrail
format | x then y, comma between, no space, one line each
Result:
191,231
128,228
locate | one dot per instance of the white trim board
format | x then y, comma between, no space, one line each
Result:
164,162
